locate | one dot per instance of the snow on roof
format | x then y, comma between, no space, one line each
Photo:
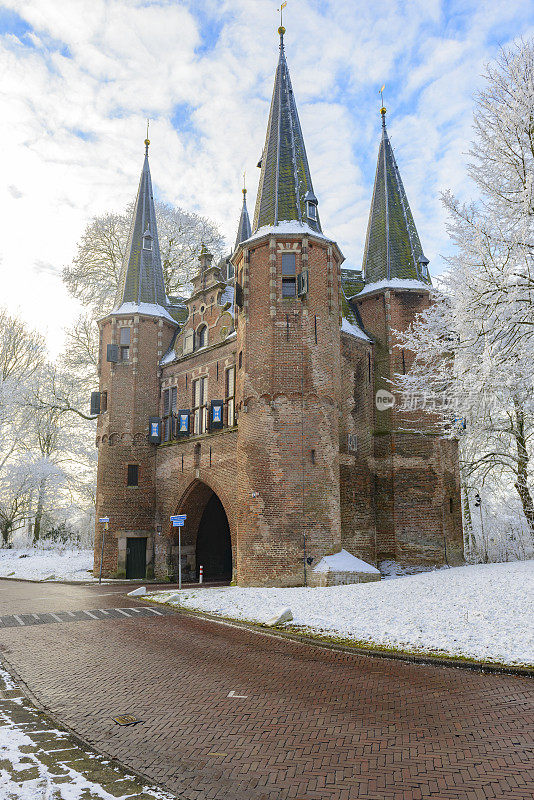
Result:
354,330
344,562
287,226
228,295
168,358
148,309
393,283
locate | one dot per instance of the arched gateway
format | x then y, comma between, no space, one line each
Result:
206,536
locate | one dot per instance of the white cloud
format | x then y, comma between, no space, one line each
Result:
77,88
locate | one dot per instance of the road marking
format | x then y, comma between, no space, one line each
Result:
90,615
237,696
55,617
103,611
153,611
70,613
122,612
36,616
19,620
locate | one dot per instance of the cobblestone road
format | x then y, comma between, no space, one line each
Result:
300,722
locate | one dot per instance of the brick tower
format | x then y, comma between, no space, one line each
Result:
417,497
288,359
133,338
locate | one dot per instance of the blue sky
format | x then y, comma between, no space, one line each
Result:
81,76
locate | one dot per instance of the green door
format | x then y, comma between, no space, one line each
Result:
136,557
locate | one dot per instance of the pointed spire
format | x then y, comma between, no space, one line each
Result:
285,179
392,247
243,229
142,275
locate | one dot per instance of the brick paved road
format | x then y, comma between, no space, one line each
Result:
314,724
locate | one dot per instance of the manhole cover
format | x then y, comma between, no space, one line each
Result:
126,719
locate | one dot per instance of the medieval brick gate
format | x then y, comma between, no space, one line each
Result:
206,537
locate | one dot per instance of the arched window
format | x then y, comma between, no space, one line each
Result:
202,337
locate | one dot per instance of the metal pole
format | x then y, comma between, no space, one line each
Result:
102,551
180,557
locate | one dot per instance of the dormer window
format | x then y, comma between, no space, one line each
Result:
311,206
147,239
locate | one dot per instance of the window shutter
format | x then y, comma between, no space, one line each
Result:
302,283
216,416
113,353
95,403
154,430
183,422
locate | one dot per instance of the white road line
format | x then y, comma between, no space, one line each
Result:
237,696
36,616
55,616
90,615
103,611
154,611
71,613
137,610
19,619
122,612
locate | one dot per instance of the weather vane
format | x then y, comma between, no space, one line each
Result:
281,10
147,140
382,95
244,183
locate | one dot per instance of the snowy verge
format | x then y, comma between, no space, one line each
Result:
57,564
482,612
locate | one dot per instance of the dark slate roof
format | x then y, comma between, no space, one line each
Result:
142,276
392,246
351,281
285,175
243,230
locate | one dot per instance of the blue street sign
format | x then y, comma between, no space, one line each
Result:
104,519
178,520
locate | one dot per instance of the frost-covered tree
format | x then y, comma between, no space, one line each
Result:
94,274
475,346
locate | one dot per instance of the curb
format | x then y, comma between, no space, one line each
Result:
85,744
325,644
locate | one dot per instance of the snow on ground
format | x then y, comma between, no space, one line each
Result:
37,768
55,564
482,611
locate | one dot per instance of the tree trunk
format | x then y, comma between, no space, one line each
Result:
6,532
39,512
521,483
469,541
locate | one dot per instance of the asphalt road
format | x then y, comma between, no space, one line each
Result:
229,713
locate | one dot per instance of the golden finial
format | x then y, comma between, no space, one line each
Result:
147,140
244,184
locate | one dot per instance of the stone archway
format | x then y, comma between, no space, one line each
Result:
206,537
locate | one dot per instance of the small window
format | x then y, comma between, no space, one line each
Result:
288,264
147,243
230,396
450,505
103,402
133,475
289,282
201,337
125,344
312,210
240,360
200,405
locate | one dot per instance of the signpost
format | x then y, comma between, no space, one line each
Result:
178,521
105,520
